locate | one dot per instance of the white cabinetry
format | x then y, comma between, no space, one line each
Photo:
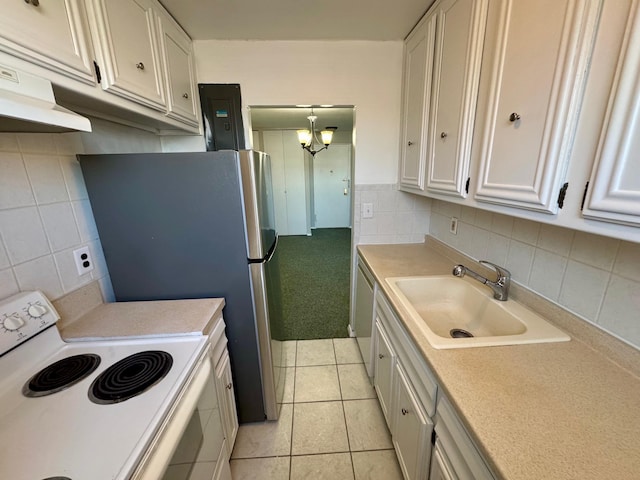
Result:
614,187
456,74
407,392
50,33
363,313
536,57
418,65
127,48
178,71
457,456
226,398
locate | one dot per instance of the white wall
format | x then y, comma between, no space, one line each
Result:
367,75
44,207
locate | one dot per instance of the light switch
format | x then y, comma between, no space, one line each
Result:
367,210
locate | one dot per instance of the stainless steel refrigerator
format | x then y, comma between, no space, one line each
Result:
195,225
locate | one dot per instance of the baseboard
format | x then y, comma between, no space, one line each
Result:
351,331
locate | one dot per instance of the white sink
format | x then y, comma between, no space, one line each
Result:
449,309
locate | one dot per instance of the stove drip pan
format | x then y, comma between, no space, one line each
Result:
60,375
130,377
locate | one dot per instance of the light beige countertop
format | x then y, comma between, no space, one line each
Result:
550,411
143,319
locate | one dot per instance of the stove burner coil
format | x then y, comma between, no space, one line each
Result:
130,377
60,375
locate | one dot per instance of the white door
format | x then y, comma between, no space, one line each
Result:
332,187
289,178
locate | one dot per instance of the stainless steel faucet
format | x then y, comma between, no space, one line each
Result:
500,287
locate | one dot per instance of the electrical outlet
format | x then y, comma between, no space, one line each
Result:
367,210
84,262
453,226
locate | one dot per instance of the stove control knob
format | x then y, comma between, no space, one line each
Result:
36,310
12,323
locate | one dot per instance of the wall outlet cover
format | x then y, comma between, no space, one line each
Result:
453,226
84,262
367,210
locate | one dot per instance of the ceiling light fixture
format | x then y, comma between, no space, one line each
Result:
308,138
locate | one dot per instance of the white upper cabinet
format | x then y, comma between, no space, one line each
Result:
49,33
127,47
418,65
536,57
614,187
178,71
456,73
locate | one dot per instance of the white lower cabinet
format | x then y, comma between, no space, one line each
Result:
226,398
412,429
407,392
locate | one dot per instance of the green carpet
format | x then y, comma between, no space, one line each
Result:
314,284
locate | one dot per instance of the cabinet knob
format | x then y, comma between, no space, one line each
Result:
140,66
380,356
229,386
35,3
514,117
443,135
409,143
185,95
404,411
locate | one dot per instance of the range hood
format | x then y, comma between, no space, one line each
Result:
27,104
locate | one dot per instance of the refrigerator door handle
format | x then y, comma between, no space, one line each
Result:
269,254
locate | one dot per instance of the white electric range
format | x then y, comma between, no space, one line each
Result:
112,423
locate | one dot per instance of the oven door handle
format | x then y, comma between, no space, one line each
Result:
159,454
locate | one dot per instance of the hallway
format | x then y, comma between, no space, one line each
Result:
314,284
330,427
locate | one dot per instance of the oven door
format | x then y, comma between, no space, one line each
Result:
190,444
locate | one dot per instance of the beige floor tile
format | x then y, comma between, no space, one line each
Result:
319,428
289,382
354,382
289,349
317,384
266,439
276,468
332,466
315,352
347,350
366,426
378,465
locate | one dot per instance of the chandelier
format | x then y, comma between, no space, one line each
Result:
308,138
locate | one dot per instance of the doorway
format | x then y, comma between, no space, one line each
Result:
313,213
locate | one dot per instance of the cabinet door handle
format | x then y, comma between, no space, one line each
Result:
409,143
514,117
35,3
140,66
229,386
443,135
404,411
185,95
380,356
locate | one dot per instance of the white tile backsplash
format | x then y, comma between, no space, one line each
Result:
597,278
46,178
37,242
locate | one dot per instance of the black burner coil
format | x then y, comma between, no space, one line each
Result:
130,377
61,374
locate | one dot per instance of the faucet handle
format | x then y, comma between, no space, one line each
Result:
501,271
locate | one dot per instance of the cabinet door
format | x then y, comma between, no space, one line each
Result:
125,37
178,71
418,65
614,187
51,33
226,398
412,429
536,62
384,371
440,467
363,313
458,52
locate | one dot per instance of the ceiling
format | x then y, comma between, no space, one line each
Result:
296,118
297,19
